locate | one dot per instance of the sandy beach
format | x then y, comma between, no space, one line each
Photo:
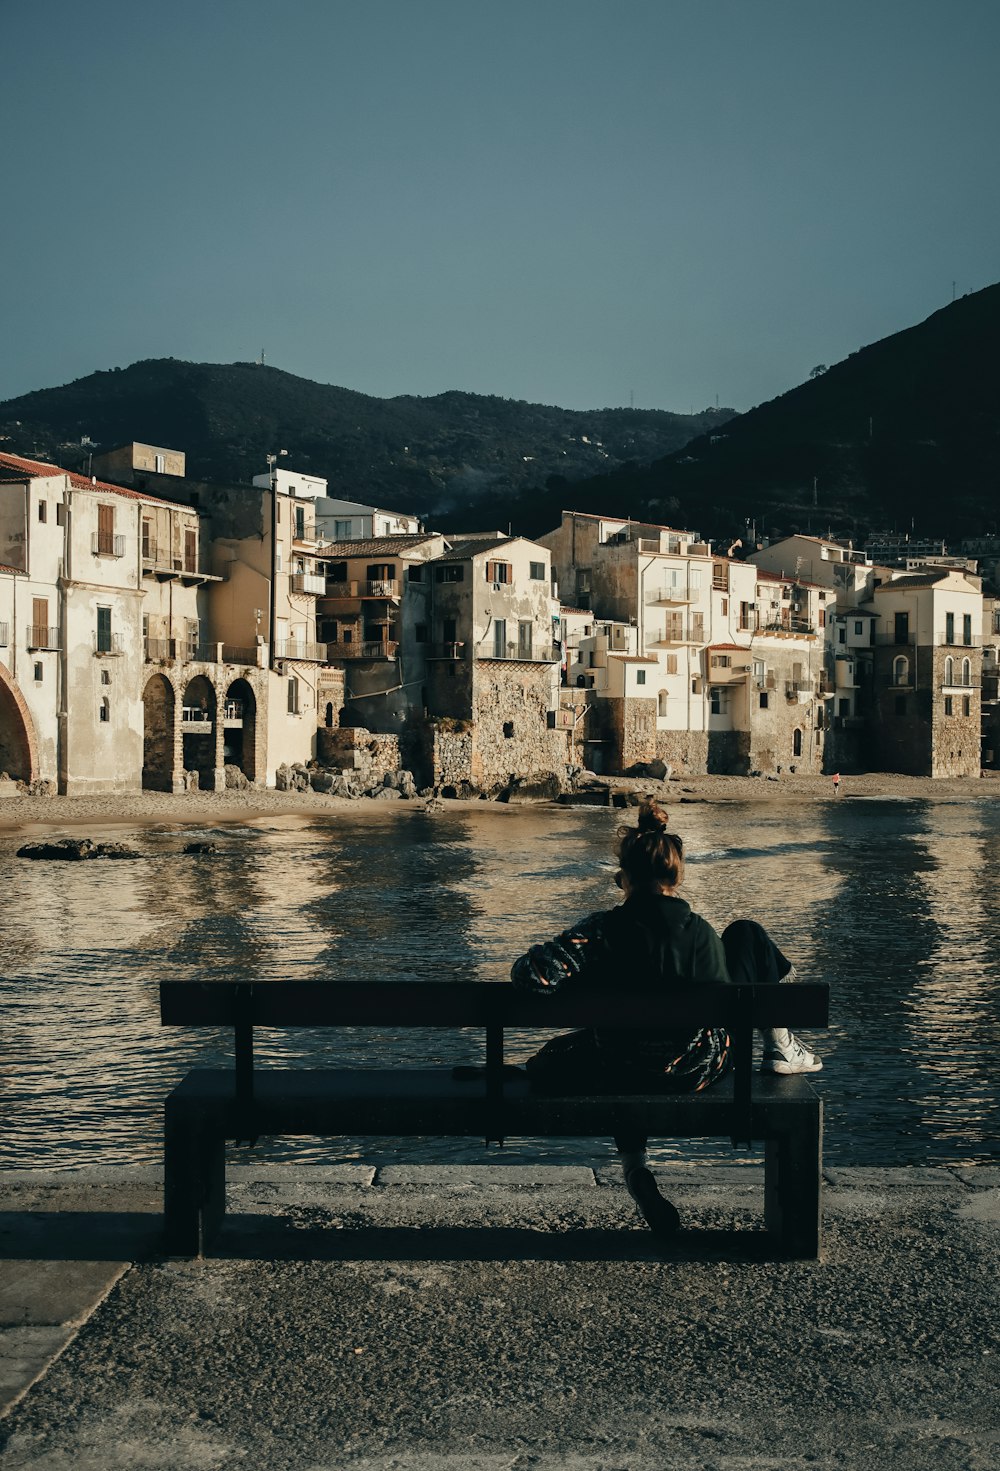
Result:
21,813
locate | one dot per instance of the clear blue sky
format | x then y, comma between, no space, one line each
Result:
566,201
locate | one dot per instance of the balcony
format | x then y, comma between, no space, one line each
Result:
108,645
546,654
381,587
293,648
676,633
308,582
107,544
159,650
364,649
232,715
446,651
160,563
666,597
41,637
972,641
798,690
790,626
888,639
196,720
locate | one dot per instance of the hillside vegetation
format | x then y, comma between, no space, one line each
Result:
439,457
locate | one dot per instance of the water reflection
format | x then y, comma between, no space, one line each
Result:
892,903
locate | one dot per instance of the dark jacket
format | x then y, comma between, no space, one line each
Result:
647,944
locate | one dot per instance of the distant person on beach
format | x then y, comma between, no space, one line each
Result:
836,783
650,942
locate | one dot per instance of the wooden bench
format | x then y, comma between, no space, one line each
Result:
211,1106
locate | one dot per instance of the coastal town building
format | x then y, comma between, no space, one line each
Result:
724,669
494,656
341,520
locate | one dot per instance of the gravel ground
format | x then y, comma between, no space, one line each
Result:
464,1325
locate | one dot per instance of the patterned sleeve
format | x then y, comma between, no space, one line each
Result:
549,966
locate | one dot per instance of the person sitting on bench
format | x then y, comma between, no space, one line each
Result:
651,941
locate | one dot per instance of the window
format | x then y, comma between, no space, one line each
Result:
671,663
948,704
277,559
949,670
499,638
300,522
949,628
39,671
966,671
763,699
661,704
859,627
159,464
105,711
719,701
43,511
449,573
721,661
725,607
508,730
415,572
841,635
640,676
966,704
190,549
524,640
420,633
499,572
38,633
967,629
293,696
336,572
536,571
60,513
105,531
449,630
901,670
797,742
105,676
342,530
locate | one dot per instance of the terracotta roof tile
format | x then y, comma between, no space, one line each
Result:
37,469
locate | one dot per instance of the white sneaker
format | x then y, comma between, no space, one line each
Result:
785,1055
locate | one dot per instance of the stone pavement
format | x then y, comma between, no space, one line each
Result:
492,1317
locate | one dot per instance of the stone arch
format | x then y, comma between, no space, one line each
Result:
199,716
901,670
239,721
18,740
158,712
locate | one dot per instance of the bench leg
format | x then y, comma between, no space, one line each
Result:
194,1184
793,1187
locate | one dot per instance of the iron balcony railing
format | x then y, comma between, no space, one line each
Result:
108,643
157,649
195,715
293,648
234,654
965,641
42,637
363,649
787,625
232,712
107,544
519,654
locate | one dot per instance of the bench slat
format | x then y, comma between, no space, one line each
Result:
481,1004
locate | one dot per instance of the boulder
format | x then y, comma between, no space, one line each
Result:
323,781
236,779
406,783
74,850
386,794
195,849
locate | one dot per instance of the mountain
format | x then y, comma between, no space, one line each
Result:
905,431
441,457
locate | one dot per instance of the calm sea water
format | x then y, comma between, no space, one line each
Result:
893,902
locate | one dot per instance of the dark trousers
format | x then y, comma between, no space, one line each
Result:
751,957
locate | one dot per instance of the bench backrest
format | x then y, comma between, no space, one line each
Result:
493,1007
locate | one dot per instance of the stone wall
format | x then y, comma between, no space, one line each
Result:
511,735
632,727
350,748
685,751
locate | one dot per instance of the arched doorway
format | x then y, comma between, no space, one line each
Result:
198,717
18,748
158,735
797,742
239,721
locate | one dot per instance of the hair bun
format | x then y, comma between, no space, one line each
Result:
652,817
